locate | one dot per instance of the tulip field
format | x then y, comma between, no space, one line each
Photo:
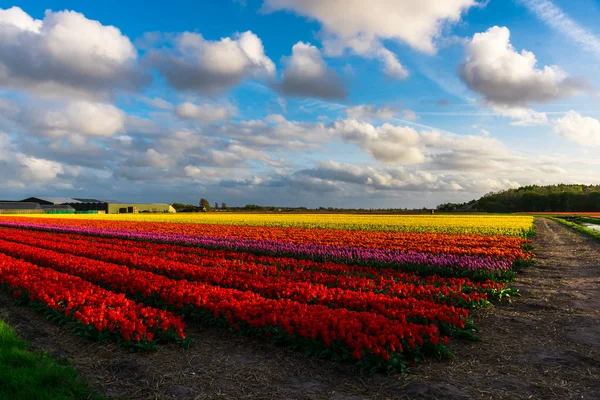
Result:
380,291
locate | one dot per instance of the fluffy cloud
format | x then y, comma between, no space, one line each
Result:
79,117
377,178
212,66
505,77
22,170
367,112
396,144
276,132
387,143
307,75
205,112
65,54
154,159
584,131
522,116
361,26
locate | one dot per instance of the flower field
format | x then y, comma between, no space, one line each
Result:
382,298
480,224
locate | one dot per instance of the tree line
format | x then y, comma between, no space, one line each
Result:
534,198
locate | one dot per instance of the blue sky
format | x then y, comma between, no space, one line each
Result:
289,102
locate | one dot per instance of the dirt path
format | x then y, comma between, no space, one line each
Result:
544,345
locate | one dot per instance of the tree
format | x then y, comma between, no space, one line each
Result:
216,205
204,204
223,206
180,206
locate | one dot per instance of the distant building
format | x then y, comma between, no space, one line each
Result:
58,209
17,207
95,206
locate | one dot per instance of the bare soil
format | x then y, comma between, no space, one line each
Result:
543,345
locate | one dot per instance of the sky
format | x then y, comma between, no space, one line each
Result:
316,103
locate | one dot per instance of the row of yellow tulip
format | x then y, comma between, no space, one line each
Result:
508,225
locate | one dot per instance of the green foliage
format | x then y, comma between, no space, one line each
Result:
533,198
25,375
204,204
181,206
578,227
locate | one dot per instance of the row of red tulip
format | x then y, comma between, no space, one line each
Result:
362,333
278,283
194,255
88,304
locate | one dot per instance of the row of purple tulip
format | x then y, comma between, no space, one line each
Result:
346,254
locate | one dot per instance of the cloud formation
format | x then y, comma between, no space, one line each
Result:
205,112
79,117
397,144
585,131
306,74
505,77
207,66
386,143
362,26
65,54
22,170
369,112
522,116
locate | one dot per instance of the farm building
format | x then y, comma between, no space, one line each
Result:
95,206
58,209
18,207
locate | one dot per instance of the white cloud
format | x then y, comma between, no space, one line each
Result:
78,117
362,26
386,143
523,116
204,174
334,175
307,75
22,170
212,66
39,170
20,19
584,131
205,112
409,115
275,132
396,144
504,77
367,112
154,159
65,54
553,169
157,102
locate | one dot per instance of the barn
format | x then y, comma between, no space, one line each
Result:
18,207
96,206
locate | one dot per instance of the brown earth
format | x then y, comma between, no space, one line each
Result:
543,345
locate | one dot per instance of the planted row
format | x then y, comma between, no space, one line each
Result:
391,307
303,286
367,336
98,312
443,264
495,246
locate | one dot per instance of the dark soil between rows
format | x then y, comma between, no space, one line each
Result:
543,345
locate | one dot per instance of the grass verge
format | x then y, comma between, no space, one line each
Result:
577,227
27,375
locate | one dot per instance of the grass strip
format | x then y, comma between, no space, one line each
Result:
27,375
577,227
